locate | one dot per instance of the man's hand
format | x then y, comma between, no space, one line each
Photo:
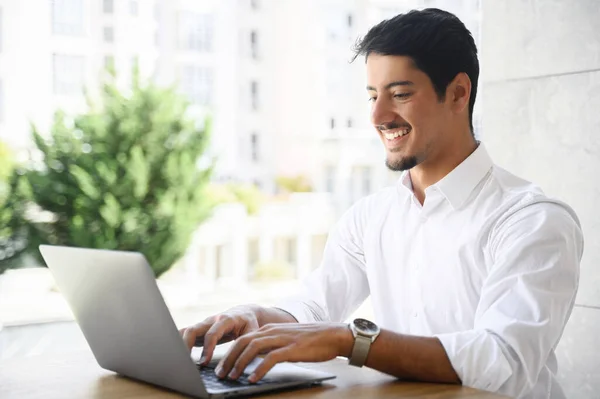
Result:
230,325
316,342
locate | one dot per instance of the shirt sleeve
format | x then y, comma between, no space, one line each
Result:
525,301
339,285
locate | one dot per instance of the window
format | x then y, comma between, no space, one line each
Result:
196,32
253,251
108,6
68,74
349,123
67,17
366,180
109,34
254,95
349,20
133,8
254,4
332,123
254,155
330,179
290,250
135,64
196,83
109,62
254,44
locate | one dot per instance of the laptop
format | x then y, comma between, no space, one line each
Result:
123,316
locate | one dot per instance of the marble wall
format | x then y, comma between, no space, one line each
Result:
540,94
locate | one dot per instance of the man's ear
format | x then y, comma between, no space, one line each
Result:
459,92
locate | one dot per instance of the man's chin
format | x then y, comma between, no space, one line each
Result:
400,164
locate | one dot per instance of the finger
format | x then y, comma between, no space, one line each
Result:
213,336
228,361
269,361
255,348
190,334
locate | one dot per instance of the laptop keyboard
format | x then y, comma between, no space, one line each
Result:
211,381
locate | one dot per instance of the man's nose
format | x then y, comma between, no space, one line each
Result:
382,112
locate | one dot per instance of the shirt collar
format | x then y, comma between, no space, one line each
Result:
457,185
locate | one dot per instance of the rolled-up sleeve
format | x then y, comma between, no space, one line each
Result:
525,302
339,285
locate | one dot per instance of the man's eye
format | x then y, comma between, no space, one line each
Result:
371,99
402,95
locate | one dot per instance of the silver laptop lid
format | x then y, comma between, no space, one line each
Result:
123,316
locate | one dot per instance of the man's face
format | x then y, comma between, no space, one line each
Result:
405,110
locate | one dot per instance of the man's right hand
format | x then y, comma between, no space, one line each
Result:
230,325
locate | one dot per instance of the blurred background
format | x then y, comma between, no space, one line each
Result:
223,138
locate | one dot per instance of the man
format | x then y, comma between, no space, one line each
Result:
472,271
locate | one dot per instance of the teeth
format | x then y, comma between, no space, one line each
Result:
392,136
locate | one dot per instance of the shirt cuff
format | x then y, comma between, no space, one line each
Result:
298,309
477,359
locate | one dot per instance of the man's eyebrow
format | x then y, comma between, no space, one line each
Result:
392,84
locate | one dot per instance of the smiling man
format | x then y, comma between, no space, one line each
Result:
472,271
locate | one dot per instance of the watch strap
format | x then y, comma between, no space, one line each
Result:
360,351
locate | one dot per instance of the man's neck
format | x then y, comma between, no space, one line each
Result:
430,172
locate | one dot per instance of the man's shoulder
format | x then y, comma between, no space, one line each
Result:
517,198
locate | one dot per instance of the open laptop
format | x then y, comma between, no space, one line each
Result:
124,318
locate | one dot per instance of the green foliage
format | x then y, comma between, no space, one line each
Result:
294,184
122,176
10,208
246,194
6,163
273,271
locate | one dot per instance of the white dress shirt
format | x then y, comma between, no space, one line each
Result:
489,265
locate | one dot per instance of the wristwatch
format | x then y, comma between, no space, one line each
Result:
365,332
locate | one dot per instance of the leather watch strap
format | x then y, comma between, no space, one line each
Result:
360,351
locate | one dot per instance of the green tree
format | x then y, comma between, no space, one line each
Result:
6,163
293,184
9,208
123,175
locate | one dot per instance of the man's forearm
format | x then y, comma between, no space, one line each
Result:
407,357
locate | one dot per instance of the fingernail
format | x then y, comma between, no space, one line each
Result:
202,359
252,377
232,375
219,371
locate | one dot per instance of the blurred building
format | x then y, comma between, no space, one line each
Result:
274,75
285,240
52,52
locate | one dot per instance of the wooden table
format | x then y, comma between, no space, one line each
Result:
77,375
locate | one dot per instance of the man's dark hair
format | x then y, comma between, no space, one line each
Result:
437,41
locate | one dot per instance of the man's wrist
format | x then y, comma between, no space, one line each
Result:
345,340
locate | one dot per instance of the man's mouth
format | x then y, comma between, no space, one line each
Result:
396,134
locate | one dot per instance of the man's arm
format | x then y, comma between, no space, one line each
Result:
410,357
525,303
403,356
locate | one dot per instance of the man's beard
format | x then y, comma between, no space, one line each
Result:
402,164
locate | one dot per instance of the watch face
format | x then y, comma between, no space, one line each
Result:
366,327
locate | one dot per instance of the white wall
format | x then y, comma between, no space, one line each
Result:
541,94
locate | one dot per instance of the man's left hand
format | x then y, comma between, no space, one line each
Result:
316,342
